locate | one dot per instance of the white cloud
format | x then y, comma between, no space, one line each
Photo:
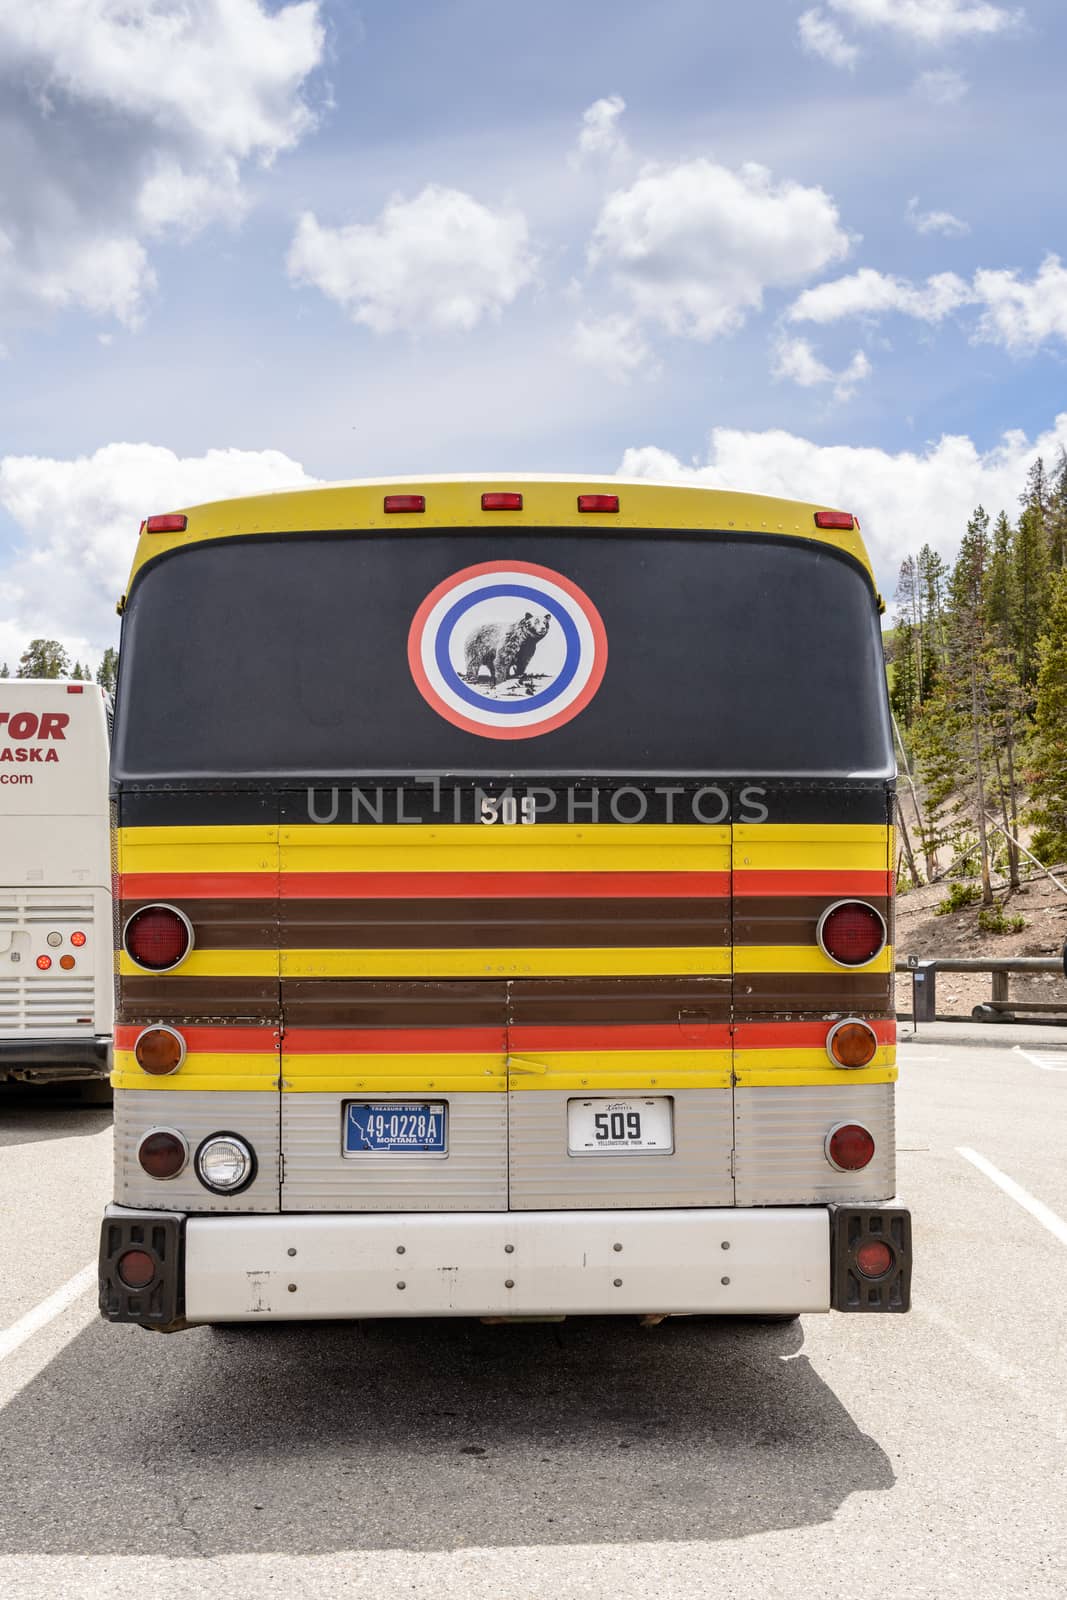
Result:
820,36
903,500
935,221
600,137
796,361
870,293
1017,314
943,87
78,521
933,22
614,345
121,120
694,246
1020,315
441,261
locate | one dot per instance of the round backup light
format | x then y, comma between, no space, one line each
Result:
77,940
225,1164
851,933
157,937
852,1043
874,1258
159,1050
136,1268
162,1153
849,1147
54,939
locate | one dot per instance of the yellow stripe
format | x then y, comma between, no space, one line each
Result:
211,964
389,1074
201,1070
547,963
544,847
803,847
755,1068
752,958
454,503
621,1069
198,850
797,1077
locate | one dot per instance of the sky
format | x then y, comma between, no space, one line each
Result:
804,250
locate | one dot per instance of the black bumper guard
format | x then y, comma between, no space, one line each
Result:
161,1303
851,1289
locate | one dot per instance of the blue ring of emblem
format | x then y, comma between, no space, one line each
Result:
498,591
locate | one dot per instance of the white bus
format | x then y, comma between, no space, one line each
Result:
56,980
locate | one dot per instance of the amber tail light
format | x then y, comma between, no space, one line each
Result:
852,1043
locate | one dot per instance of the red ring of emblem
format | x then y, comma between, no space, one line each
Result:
485,730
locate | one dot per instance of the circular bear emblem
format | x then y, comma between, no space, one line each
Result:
507,650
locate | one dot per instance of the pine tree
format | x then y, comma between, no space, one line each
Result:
999,606
44,658
1057,523
108,670
1029,586
5,671
1049,754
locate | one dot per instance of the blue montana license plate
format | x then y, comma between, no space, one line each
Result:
418,1129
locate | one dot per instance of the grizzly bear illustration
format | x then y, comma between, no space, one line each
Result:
505,649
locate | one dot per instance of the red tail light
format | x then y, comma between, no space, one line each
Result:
158,937
598,502
874,1258
849,1147
75,688
162,1153
404,502
43,963
851,933
173,522
136,1268
77,940
835,519
498,501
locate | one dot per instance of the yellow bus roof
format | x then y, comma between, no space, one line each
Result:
455,502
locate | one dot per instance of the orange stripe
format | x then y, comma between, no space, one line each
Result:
622,1036
801,1035
197,885
753,882
234,1041
423,885
394,1041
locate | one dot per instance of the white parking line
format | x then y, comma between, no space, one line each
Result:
1047,1063
1037,1208
48,1310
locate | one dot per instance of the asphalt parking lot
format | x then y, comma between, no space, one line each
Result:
842,1456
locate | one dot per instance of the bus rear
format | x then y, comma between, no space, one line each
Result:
505,876
56,983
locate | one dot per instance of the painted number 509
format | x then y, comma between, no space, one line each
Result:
506,809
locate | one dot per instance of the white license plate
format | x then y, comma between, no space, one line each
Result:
637,1127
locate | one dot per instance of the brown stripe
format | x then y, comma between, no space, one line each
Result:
492,924
368,1003
167,999
787,919
223,924
791,993
548,1001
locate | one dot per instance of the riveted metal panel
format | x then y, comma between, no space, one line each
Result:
780,1136
264,1269
473,1176
545,1177
249,1113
